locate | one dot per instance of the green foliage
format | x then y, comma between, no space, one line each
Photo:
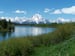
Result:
65,48
3,24
25,46
6,26
16,47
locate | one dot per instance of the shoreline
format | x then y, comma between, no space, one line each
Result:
25,46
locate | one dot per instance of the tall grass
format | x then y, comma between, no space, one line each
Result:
25,46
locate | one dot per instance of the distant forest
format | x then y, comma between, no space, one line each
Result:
6,25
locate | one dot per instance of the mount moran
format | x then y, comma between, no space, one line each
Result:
35,19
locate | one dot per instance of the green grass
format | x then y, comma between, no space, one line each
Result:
27,46
66,48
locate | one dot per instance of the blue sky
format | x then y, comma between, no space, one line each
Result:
49,9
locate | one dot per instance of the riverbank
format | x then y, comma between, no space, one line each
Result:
65,48
26,46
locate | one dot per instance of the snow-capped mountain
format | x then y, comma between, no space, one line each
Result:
62,20
36,19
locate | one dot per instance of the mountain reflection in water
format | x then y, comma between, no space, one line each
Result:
25,31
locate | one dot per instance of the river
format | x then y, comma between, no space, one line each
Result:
21,31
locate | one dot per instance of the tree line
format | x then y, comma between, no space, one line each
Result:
6,25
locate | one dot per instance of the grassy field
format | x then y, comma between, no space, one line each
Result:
66,48
43,45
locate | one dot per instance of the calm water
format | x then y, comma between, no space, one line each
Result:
25,31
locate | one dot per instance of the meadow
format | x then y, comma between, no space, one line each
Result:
42,45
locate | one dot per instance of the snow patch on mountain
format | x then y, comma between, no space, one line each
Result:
38,19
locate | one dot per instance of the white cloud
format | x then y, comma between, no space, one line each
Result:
21,12
46,10
69,10
57,12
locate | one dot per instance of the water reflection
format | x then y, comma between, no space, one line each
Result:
5,35
38,30
24,31
35,31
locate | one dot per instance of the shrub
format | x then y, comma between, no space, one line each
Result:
25,46
16,47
